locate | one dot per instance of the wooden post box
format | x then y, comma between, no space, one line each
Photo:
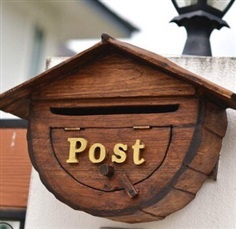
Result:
120,132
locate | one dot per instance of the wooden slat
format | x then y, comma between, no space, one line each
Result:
115,76
190,181
172,202
212,132
185,115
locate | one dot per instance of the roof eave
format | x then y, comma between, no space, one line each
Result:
17,99
226,96
19,96
122,21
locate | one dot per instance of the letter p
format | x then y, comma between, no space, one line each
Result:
77,145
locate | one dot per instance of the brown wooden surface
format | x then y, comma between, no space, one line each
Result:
16,100
124,77
172,202
186,105
15,168
117,93
213,130
52,173
154,154
177,151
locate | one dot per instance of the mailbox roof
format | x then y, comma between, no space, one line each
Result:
17,99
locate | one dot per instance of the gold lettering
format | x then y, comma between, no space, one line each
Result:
119,151
97,152
74,149
136,154
92,152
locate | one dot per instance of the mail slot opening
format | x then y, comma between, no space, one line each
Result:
147,109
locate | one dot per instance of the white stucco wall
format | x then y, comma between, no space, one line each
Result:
18,21
215,204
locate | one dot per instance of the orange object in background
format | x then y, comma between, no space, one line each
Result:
15,168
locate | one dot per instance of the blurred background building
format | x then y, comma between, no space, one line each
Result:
31,31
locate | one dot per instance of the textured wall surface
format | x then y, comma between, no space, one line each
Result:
215,204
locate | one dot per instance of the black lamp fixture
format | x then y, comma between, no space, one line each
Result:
200,18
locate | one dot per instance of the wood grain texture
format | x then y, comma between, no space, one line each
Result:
183,169
124,77
154,154
173,201
41,135
178,156
213,130
41,111
16,100
115,93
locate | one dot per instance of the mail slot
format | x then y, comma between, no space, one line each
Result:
79,111
122,133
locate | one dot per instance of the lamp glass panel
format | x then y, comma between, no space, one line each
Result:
218,4
184,3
